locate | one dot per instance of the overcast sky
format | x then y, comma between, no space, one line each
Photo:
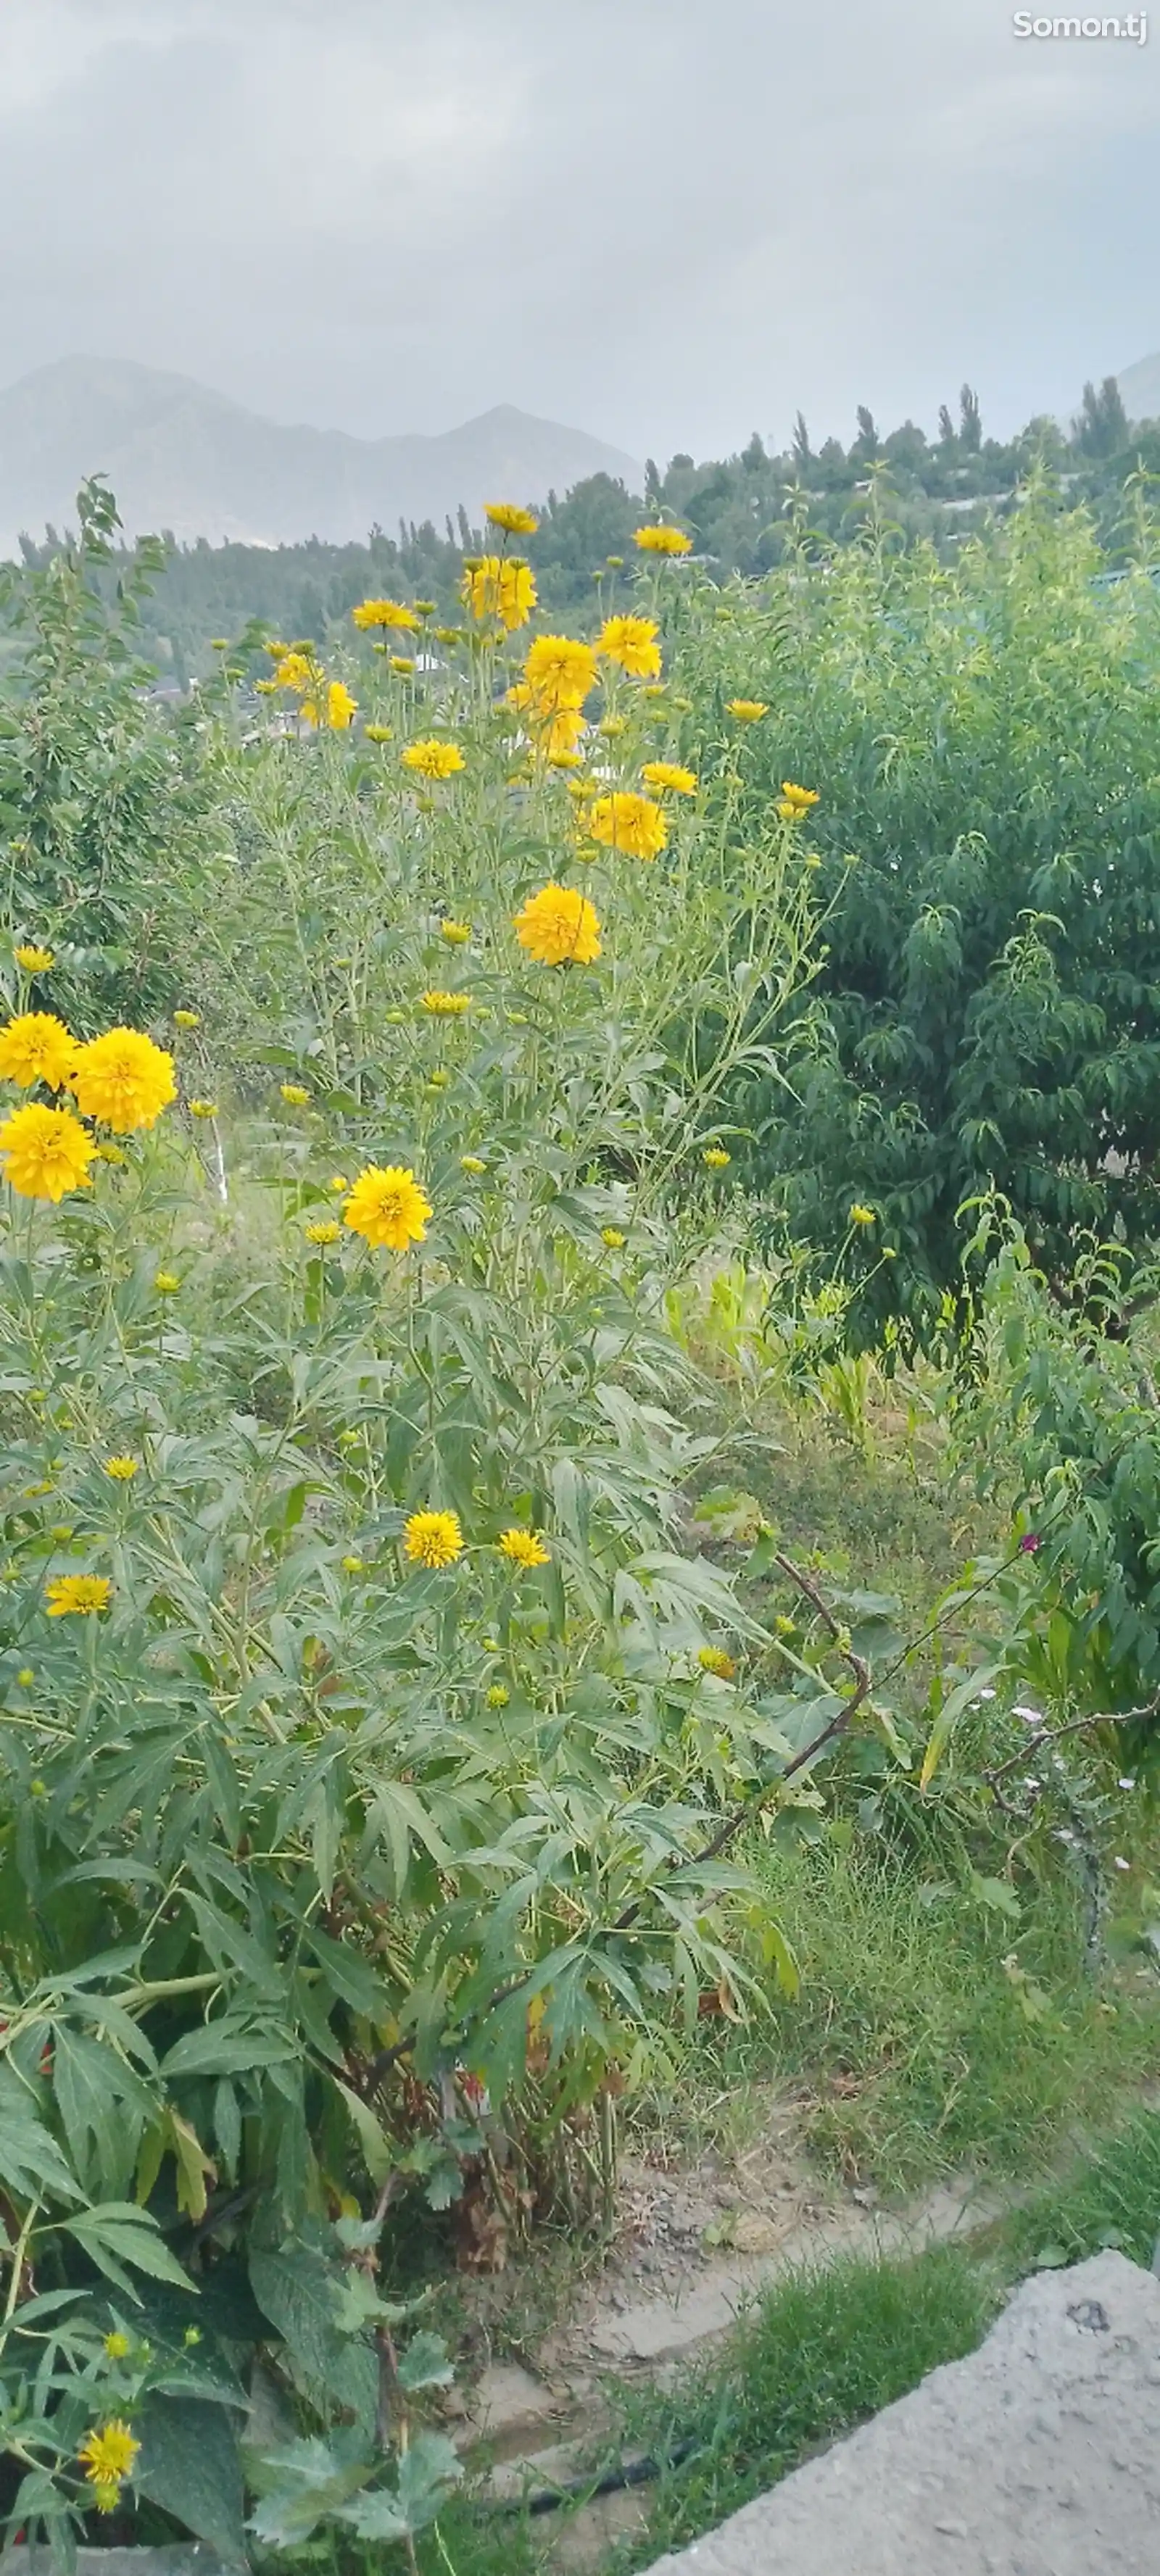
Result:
665,221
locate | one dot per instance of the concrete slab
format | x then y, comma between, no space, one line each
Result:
1037,2456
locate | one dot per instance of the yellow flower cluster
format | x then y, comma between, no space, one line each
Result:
107,2458
447,1006
387,1207
662,540
667,776
383,612
433,1539
509,516
339,708
626,821
558,927
432,759
632,643
77,1596
121,1080
522,1547
795,802
500,586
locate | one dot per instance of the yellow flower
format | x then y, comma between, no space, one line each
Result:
387,1207
631,642
432,1538
167,1283
860,1215
509,516
559,674
294,1094
352,1565
107,2458
379,733
109,1154
76,1596
438,1080
447,1006
500,586
403,663
187,1019
341,708
37,1047
296,672
747,710
122,1470
203,1109
667,774
798,799
123,1079
625,821
716,1159
522,1547
45,1152
558,926
662,540
338,1181
713,1659
26,1677
456,933
117,2346
431,759
326,1229
471,1163
497,1696
384,612
35,961
612,1236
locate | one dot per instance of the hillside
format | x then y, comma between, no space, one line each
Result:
1140,388
182,457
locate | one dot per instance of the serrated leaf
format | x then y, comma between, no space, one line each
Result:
424,2364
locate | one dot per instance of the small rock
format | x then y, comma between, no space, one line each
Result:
754,2232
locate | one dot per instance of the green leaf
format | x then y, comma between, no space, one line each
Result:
190,2464
103,2107
424,2364
31,2163
118,2234
231,2046
378,2150
300,2295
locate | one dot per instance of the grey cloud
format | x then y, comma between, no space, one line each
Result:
668,223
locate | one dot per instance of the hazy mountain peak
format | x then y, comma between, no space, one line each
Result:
1140,388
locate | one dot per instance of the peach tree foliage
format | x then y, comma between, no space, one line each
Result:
984,734
100,792
300,1836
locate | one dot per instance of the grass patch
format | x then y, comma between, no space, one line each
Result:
824,2351
933,2030
821,2353
1111,2199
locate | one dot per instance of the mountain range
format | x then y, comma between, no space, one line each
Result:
182,457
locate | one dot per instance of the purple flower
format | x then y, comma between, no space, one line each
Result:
1029,1543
